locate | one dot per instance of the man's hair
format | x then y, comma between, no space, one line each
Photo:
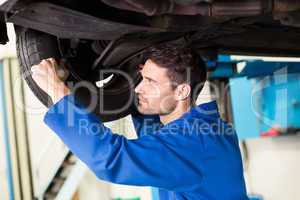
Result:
184,65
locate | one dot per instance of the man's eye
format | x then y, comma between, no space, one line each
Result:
151,81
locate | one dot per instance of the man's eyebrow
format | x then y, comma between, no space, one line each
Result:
147,77
150,78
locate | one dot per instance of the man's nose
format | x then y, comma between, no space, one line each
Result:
138,88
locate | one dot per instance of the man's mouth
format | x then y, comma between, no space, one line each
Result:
142,100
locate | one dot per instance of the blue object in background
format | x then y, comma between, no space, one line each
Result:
265,95
279,104
255,197
259,68
246,123
224,58
155,193
5,132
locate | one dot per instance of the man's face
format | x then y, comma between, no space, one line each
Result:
155,92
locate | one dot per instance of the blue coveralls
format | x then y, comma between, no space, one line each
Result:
195,157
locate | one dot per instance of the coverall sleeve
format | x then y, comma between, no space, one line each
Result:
147,161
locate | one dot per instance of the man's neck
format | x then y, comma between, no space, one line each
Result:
177,113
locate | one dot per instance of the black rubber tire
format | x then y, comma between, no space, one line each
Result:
33,46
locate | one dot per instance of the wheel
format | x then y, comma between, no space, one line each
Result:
111,101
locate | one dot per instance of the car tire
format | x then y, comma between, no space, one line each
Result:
112,102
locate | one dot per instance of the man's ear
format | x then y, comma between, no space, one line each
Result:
183,91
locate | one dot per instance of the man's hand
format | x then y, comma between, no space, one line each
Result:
48,76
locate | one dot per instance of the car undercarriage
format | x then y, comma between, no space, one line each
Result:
95,35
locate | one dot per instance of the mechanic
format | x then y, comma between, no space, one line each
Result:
180,148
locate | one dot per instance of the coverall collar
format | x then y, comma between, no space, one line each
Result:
204,110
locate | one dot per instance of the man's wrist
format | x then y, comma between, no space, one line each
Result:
60,92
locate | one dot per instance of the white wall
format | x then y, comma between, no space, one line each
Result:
272,168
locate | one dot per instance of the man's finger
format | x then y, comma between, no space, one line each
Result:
52,61
44,62
54,64
34,68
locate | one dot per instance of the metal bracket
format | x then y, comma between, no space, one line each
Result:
3,30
